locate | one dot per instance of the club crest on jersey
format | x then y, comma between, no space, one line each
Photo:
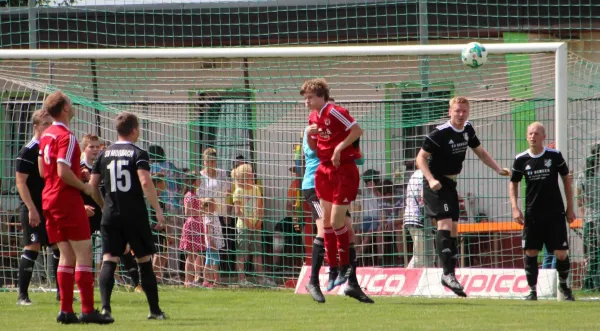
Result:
548,163
466,135
327,121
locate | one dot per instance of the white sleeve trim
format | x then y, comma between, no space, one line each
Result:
516,170
341,118
71,148
22,159
142,161
64,161
350,126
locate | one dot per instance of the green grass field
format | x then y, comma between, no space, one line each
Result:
283,310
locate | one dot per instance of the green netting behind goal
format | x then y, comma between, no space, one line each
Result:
251,107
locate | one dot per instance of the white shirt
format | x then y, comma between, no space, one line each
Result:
215,188
414,197
212,229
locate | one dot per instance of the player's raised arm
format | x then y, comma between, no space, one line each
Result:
489,161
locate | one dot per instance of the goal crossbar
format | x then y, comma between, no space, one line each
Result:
559,48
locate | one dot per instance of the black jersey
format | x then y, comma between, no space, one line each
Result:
541,177
89,201
118,166
27,163
448,147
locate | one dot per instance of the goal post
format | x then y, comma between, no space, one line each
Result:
244,102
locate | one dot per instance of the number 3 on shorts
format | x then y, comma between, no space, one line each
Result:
446,207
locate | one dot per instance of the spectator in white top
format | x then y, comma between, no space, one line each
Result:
422,236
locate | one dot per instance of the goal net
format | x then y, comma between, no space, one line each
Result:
246,105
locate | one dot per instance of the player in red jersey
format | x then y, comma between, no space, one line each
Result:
66,219
332,132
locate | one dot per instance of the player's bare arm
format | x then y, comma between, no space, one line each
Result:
424,167
41,166
96,195
513,192
68,176
355,133
25,194
567,182
150,193
489,161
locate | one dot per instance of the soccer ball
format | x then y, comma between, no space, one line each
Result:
474,55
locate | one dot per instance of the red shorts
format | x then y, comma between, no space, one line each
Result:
337,185
70,224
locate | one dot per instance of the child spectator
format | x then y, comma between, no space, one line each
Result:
214,242
160,234
248,203
192,235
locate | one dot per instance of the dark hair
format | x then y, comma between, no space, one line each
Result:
125,123
372,175
156,153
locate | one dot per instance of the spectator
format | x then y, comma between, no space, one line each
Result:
192,234
423,253
370,209
588,202
214,243
160,235
172,203
391,207
249,209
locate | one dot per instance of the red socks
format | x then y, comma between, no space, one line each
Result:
343,245
66,278
331,248
85,282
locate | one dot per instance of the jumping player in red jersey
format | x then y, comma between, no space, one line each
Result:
332,132
66,219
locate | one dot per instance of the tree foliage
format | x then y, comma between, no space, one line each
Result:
40,3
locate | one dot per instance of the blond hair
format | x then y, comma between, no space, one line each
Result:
38,116
318,86
460,100
85,141
209,152
538,125
239,172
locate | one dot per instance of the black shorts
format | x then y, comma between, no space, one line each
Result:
33,235
310,196
441,204
548,229
118,233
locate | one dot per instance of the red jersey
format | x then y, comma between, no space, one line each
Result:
58,144
334,125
